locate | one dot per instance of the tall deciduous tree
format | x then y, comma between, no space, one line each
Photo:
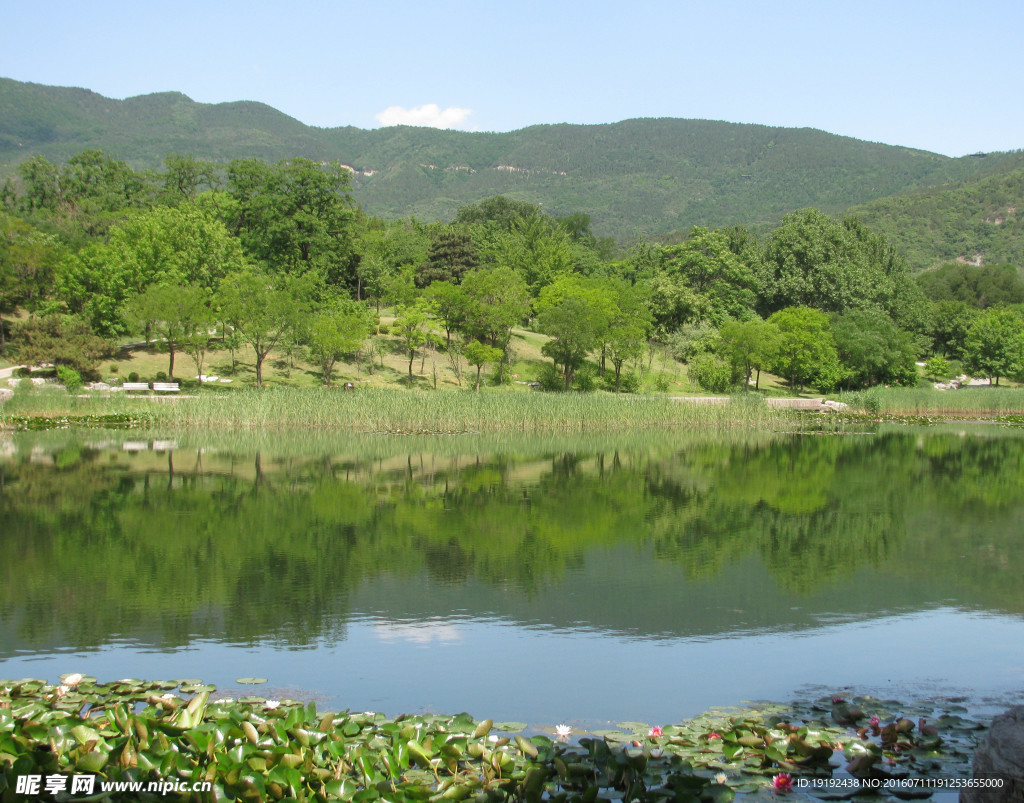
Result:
497,300
337,331
262,307
995,344
748,345
805,352
174,313
710,268
296,217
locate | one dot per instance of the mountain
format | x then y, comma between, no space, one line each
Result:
980,220
634,177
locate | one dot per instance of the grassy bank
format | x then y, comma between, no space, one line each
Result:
400,411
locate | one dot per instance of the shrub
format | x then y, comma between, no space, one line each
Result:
550,379
383,329
161,376
133,376
69,377
585,379
113,368
662,382
712,373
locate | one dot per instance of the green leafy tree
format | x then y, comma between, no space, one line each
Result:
450,304
175,245
337,331
261,308
951,322
496,301
805,352
872,350
27,264
479,354
411,327
576,327
174,314
711,269
296,217
748,346
995,344
186,176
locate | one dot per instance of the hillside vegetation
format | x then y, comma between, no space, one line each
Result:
637,177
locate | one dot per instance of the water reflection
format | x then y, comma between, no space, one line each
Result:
425,549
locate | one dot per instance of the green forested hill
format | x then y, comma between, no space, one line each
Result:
633,177
979,220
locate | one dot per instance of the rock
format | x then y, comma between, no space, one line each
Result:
835,406
5,394
1000,757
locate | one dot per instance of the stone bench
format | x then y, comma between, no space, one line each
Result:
135,386
166,387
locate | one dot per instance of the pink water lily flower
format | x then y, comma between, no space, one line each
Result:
655,731
783,782
714,735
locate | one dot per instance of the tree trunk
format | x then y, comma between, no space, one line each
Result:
479,368
170,367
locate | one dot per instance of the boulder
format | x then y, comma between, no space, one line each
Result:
1000,757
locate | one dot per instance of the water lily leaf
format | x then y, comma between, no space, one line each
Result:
633,726
245,681
510,727
483,728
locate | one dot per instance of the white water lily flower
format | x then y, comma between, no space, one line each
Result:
720,777
62,690
563,731
224,701
74,679
272,704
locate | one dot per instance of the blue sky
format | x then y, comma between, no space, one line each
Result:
940,76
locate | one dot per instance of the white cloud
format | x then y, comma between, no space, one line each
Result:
430,115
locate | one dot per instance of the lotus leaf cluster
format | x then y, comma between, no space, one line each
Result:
255,749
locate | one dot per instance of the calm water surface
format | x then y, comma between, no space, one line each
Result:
586,581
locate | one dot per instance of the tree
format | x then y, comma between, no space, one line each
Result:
450,304
176,245
60,339
185,176
629,326
575,326
262,308
411,326
452,253
950,323
995,344
175,314
748,346
813,260
496,301
872,350
713,271
336,331
479,355
296,217
27,260
805,352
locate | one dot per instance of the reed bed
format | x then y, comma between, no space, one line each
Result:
409,411
969,402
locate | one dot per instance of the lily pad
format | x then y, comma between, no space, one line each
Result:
250,681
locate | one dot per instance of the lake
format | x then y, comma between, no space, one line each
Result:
580,580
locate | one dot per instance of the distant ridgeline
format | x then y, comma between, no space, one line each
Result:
636,177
